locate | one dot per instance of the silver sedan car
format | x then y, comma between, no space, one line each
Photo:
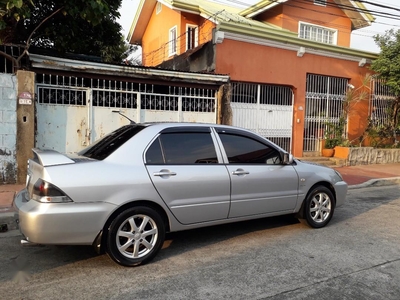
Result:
124,192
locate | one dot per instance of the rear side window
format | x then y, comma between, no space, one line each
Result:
182,148
111,142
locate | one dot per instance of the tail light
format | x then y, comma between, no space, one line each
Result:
46,192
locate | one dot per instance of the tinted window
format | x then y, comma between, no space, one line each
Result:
111,142
182,148
154,155
244,150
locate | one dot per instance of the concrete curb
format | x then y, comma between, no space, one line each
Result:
376,182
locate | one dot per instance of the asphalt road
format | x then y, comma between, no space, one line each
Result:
357,256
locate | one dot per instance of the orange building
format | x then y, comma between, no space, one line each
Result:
289,62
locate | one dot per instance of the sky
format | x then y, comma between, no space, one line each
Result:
360,39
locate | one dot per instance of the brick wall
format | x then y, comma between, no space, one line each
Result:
8,128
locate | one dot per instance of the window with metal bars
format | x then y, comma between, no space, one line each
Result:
380,102
324,105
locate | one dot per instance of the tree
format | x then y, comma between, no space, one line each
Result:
387,67
84,27
133,55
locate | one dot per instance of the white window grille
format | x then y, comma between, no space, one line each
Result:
158,8
317,33
191,36
320,2
172,40
71,90
324,104
380,102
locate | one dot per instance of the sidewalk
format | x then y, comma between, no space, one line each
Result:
7,192
355,176
368,175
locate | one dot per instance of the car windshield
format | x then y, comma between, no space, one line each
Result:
111,142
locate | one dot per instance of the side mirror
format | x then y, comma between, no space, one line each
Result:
287,158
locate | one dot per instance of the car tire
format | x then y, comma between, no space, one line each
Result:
135,236
319,207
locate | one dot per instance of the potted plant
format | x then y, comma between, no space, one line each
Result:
328,149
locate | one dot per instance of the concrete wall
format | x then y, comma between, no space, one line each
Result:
201,60
369,155
8,128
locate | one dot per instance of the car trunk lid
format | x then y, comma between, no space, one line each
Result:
40,161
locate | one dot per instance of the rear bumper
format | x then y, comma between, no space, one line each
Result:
19,199
60,223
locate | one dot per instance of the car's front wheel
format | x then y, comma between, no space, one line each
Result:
135,236
319,207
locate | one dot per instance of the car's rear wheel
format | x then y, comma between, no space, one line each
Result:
319,207
135,236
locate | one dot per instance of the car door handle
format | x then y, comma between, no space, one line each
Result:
240,172
164,173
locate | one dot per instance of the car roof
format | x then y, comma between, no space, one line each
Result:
186,124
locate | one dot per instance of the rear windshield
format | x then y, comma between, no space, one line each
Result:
111,142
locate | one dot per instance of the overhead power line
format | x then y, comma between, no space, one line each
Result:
379,5
381,14
343,6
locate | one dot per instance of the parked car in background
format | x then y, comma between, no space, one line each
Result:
124,192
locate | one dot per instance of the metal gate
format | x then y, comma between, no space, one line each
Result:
379,105
324,105
265,109
73,112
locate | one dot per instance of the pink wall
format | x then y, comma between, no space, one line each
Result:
262,64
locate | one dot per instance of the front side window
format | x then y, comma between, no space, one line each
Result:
317,33
245,150
172,41
182,148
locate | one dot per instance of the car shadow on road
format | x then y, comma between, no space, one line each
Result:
33,259
185,241
179,243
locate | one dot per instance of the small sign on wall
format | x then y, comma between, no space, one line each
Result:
25,98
